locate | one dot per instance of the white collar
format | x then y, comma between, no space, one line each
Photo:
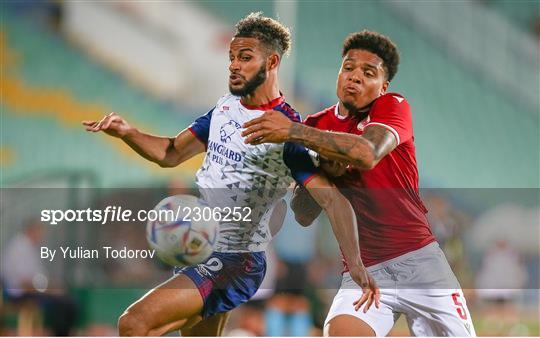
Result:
336,112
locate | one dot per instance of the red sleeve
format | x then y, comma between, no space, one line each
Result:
310,121
314,120
393,112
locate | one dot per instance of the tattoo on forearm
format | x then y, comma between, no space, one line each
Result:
336,146
382,139
350,148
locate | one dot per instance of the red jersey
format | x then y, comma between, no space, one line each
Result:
390,214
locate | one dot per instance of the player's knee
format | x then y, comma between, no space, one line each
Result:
130,324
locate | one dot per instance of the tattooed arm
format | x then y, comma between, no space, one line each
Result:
362,151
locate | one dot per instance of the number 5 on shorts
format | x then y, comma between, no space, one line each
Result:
460,310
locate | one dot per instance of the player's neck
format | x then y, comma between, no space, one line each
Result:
264,94
342,111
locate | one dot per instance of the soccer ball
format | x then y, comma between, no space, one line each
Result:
178,231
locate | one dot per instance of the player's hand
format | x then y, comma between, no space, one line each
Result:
271,127
371,293
304,206
333,168
112,124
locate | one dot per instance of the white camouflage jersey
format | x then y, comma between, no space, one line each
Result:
250,178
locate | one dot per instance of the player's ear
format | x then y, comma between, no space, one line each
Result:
384,87
272,61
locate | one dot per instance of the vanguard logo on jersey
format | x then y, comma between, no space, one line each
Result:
228,129
220,149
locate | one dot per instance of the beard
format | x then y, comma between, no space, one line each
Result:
351,107
249,87
354,109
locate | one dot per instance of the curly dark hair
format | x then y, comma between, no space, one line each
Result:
270,32
378,44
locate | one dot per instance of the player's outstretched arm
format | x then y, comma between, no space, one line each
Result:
165,151
362,151
343,221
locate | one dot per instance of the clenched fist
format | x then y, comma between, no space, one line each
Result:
333,168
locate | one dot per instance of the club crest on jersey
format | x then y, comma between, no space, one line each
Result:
228,129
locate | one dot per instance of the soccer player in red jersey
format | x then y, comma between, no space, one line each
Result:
366,143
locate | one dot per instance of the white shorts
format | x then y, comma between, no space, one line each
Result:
419,284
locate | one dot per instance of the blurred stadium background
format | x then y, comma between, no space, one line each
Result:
470,70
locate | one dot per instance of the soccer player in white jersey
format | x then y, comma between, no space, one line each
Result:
197,300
